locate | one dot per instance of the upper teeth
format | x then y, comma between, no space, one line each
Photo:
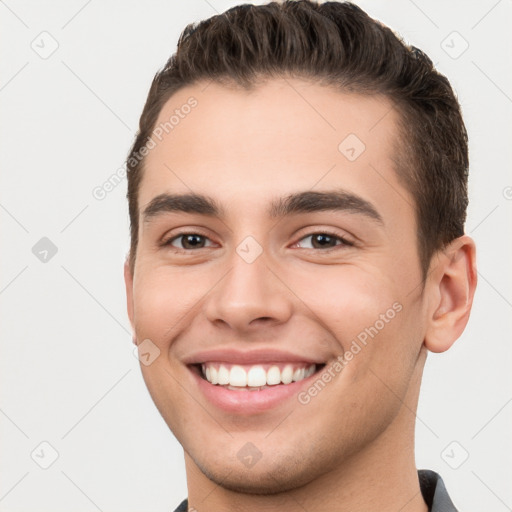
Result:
256,375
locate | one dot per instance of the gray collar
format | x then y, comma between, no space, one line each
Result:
434,492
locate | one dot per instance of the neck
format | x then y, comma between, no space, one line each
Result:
381,477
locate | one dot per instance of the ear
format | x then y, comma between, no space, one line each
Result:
128,281
452,284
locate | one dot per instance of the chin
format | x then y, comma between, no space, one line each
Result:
251,482
269,476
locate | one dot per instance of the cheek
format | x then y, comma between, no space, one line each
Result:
347,300
163,304
384,354
370,322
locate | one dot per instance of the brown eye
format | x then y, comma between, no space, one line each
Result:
187,241
323,240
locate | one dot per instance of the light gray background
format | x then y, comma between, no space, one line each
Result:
68,374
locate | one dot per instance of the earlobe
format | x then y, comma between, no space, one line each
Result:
128,281
452,285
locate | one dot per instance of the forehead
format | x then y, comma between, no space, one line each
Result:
284,135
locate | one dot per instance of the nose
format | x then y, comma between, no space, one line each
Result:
249,295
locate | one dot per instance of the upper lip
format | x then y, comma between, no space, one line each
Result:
254,356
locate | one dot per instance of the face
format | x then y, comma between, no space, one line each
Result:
301,257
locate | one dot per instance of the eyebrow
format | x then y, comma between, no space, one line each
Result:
296,203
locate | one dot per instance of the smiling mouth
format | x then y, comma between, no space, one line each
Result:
254,377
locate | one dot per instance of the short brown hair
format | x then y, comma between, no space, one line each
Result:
335,44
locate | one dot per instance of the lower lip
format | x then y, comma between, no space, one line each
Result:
249,402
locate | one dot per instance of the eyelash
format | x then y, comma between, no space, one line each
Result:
343,240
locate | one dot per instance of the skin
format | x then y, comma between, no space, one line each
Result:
352,446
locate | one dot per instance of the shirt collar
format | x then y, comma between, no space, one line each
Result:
434,492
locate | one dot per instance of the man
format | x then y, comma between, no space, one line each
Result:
297,196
